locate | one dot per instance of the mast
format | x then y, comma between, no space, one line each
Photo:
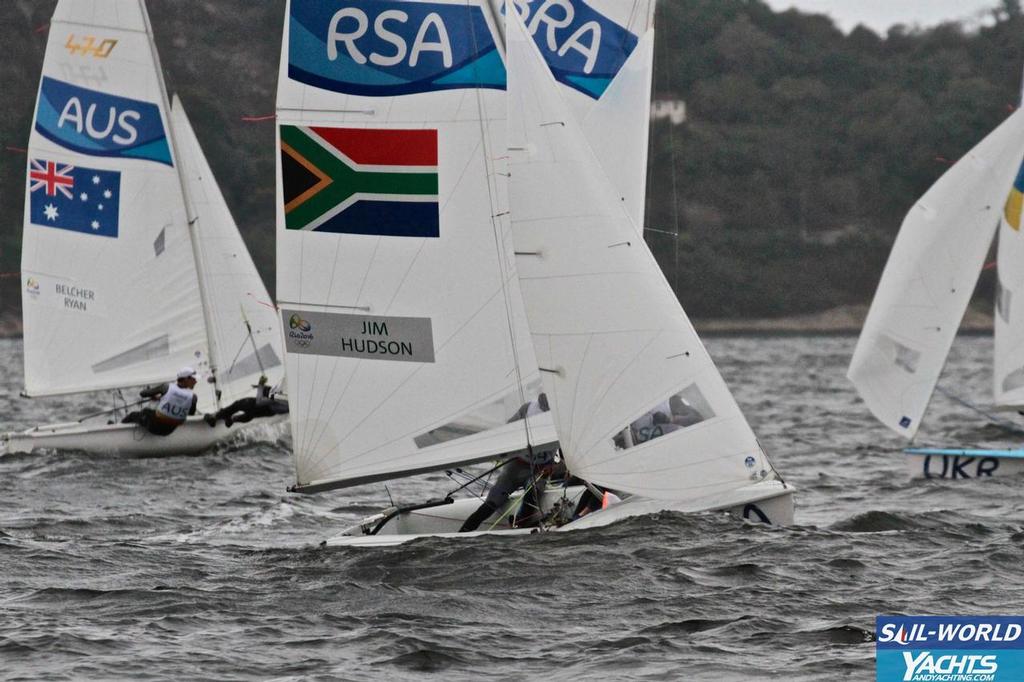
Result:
190,216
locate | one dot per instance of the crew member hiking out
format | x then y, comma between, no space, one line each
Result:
264,404
177,402
528,471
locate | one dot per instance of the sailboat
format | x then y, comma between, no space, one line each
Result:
924,291
132,264
413,327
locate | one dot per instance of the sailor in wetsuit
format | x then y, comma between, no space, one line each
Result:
518,472
264,404
177,402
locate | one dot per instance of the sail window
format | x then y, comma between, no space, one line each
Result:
497,413
159,242
680,411
150,350
1013,380
1003,299
252,364
905,357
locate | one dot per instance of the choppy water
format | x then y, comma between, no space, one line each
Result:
205,568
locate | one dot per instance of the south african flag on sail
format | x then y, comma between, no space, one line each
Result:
360,180
1015,202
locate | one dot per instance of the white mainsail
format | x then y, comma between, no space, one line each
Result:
237,297
110,293
404,337
929,279
1008,370
611,339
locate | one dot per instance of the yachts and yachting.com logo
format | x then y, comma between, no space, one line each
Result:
384,48
300,330
949,648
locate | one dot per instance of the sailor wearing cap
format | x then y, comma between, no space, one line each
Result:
177,402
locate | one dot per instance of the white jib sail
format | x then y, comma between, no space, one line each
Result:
1008,370
397,295
601,53
615,348
929,278
237,298
110,295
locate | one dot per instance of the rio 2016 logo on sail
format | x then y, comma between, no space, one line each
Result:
300,331
383,48
96,123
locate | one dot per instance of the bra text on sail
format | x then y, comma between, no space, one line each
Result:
583,48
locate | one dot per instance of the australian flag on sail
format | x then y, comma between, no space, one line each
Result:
74,197
360,180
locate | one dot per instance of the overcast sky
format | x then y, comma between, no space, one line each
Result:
881,14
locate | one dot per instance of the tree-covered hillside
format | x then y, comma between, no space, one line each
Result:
780,194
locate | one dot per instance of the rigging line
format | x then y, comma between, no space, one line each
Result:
1002,423
252,340
576,389
241,347
301,445
311,441
675,179
477,478
489,159
308,440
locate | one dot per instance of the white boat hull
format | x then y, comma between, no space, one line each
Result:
764,502
962,466
192,437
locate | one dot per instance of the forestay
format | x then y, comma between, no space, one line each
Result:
403,319
110,294
929,279
614,346
237,298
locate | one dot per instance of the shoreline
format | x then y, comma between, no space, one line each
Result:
840,321
845,320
